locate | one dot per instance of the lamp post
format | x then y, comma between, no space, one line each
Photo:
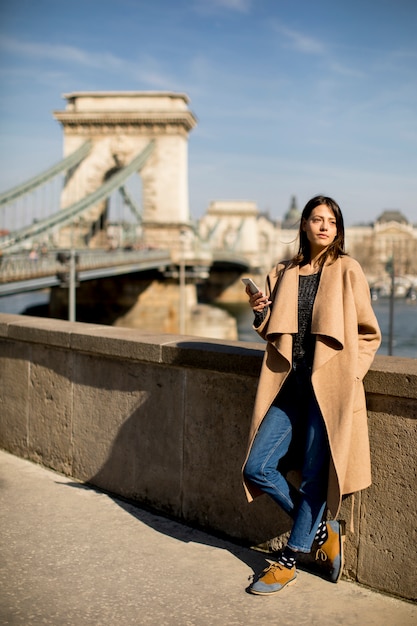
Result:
72,278
182,294
67,276
391,270
71,286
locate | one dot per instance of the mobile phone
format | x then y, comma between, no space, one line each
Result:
252,286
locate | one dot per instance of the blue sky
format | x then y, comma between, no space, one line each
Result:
292,97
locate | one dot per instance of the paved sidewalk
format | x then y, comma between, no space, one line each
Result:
73,556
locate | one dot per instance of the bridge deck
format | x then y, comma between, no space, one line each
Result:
19,273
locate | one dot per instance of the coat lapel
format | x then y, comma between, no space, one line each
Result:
328,319
284,314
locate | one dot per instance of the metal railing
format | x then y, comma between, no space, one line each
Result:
16,267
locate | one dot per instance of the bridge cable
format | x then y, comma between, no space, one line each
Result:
127,198
31,184
66,215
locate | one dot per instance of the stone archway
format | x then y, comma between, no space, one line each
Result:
120,125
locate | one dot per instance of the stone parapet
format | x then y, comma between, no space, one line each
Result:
163,420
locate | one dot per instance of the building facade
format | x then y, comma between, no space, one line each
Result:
389,242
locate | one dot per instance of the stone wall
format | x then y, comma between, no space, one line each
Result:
163,420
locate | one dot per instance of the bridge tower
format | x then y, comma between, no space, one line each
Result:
120,125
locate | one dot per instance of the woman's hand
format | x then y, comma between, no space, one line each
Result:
257,301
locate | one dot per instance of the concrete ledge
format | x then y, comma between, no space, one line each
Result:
134,345
163,420
396,376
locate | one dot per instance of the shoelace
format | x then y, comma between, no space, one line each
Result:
276,565
271,566
321,555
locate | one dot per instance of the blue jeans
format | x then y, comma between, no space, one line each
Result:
294,417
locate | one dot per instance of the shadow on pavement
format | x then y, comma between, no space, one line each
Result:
160,523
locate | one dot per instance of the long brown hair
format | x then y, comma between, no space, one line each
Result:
336,248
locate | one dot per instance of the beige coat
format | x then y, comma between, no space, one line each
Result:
347,337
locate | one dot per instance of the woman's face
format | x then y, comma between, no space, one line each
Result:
320,228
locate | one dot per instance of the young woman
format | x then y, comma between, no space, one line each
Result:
310,411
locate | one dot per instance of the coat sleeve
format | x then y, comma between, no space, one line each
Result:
369,334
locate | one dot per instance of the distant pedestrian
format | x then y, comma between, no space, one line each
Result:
310,412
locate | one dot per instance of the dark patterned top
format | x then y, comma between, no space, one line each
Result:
304,341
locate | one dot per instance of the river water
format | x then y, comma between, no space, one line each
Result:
405,319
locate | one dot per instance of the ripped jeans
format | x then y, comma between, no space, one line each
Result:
294,412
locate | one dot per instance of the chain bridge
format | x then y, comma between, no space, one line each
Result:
115,206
